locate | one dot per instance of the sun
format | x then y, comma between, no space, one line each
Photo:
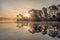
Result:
27,15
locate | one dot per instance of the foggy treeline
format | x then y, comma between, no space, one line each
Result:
52,13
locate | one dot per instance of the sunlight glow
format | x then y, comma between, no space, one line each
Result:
27,15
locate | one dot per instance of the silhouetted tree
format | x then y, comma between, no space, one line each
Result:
58,16
34,15
45,14
54,8
44,11
58,5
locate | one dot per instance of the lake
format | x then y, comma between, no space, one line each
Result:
30,31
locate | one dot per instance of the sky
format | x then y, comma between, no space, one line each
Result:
11,8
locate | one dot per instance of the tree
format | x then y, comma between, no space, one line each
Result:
54,8
59,5
44,11
58,16
45,14
33,13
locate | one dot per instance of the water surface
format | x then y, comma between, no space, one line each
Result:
29,31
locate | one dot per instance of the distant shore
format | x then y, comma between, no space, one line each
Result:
31,21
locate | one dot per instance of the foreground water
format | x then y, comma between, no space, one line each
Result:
30,31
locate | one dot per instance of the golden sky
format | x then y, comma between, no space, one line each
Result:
11,8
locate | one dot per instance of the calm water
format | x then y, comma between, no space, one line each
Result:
29,31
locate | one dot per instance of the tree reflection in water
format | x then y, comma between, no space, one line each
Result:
53,30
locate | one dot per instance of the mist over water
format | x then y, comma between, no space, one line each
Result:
30,31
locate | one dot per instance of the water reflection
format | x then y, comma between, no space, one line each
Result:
51,29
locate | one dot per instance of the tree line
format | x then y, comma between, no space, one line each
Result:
52,13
